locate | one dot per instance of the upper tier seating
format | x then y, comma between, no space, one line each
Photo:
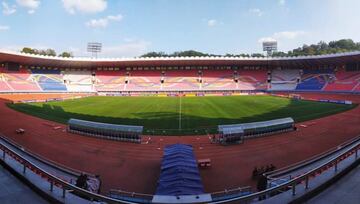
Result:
17,80
49,80
286,79
315,79
344,81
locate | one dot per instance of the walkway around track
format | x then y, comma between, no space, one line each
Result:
344,191
14,191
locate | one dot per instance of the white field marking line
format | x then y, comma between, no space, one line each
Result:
180,106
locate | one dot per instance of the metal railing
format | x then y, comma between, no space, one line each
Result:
288,185
292,183
54,181
279,174
46,161
234,192
131,196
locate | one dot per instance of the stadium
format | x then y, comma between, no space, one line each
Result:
186,127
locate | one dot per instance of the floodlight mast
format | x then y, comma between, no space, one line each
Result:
94,48
269,47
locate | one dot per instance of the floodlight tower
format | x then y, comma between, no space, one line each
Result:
94,48
269,47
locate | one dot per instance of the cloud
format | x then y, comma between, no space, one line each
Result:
281,2
256,12
31,5
266,39
98,23
118,17
4,28
84,6
103,22
7,9
212,22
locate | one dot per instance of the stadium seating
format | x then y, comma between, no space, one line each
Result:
49,79
144,80
344,81
256,78
218,80
78,81
109,80
36,79
181,80
282,80
17,80
4,86
315,79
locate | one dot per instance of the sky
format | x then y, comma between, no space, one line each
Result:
129,28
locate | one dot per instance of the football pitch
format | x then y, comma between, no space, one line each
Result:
180,115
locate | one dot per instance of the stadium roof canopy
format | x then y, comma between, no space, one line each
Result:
85,62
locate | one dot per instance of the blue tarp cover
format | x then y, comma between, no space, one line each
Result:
179,172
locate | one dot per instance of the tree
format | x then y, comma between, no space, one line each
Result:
154,54
50,52
27,50
189,53
47,52
66,54
279,54
321,48
257,55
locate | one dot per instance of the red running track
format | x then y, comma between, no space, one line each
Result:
136,167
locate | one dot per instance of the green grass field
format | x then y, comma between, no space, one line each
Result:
180,115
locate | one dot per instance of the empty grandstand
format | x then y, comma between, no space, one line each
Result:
282,80
180,74
344,81
315,79
49,79
179,102
78,81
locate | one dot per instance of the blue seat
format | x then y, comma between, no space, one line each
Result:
49,80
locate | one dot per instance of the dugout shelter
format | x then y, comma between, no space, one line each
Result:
235,133
127,133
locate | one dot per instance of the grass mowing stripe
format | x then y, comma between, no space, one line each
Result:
180,116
